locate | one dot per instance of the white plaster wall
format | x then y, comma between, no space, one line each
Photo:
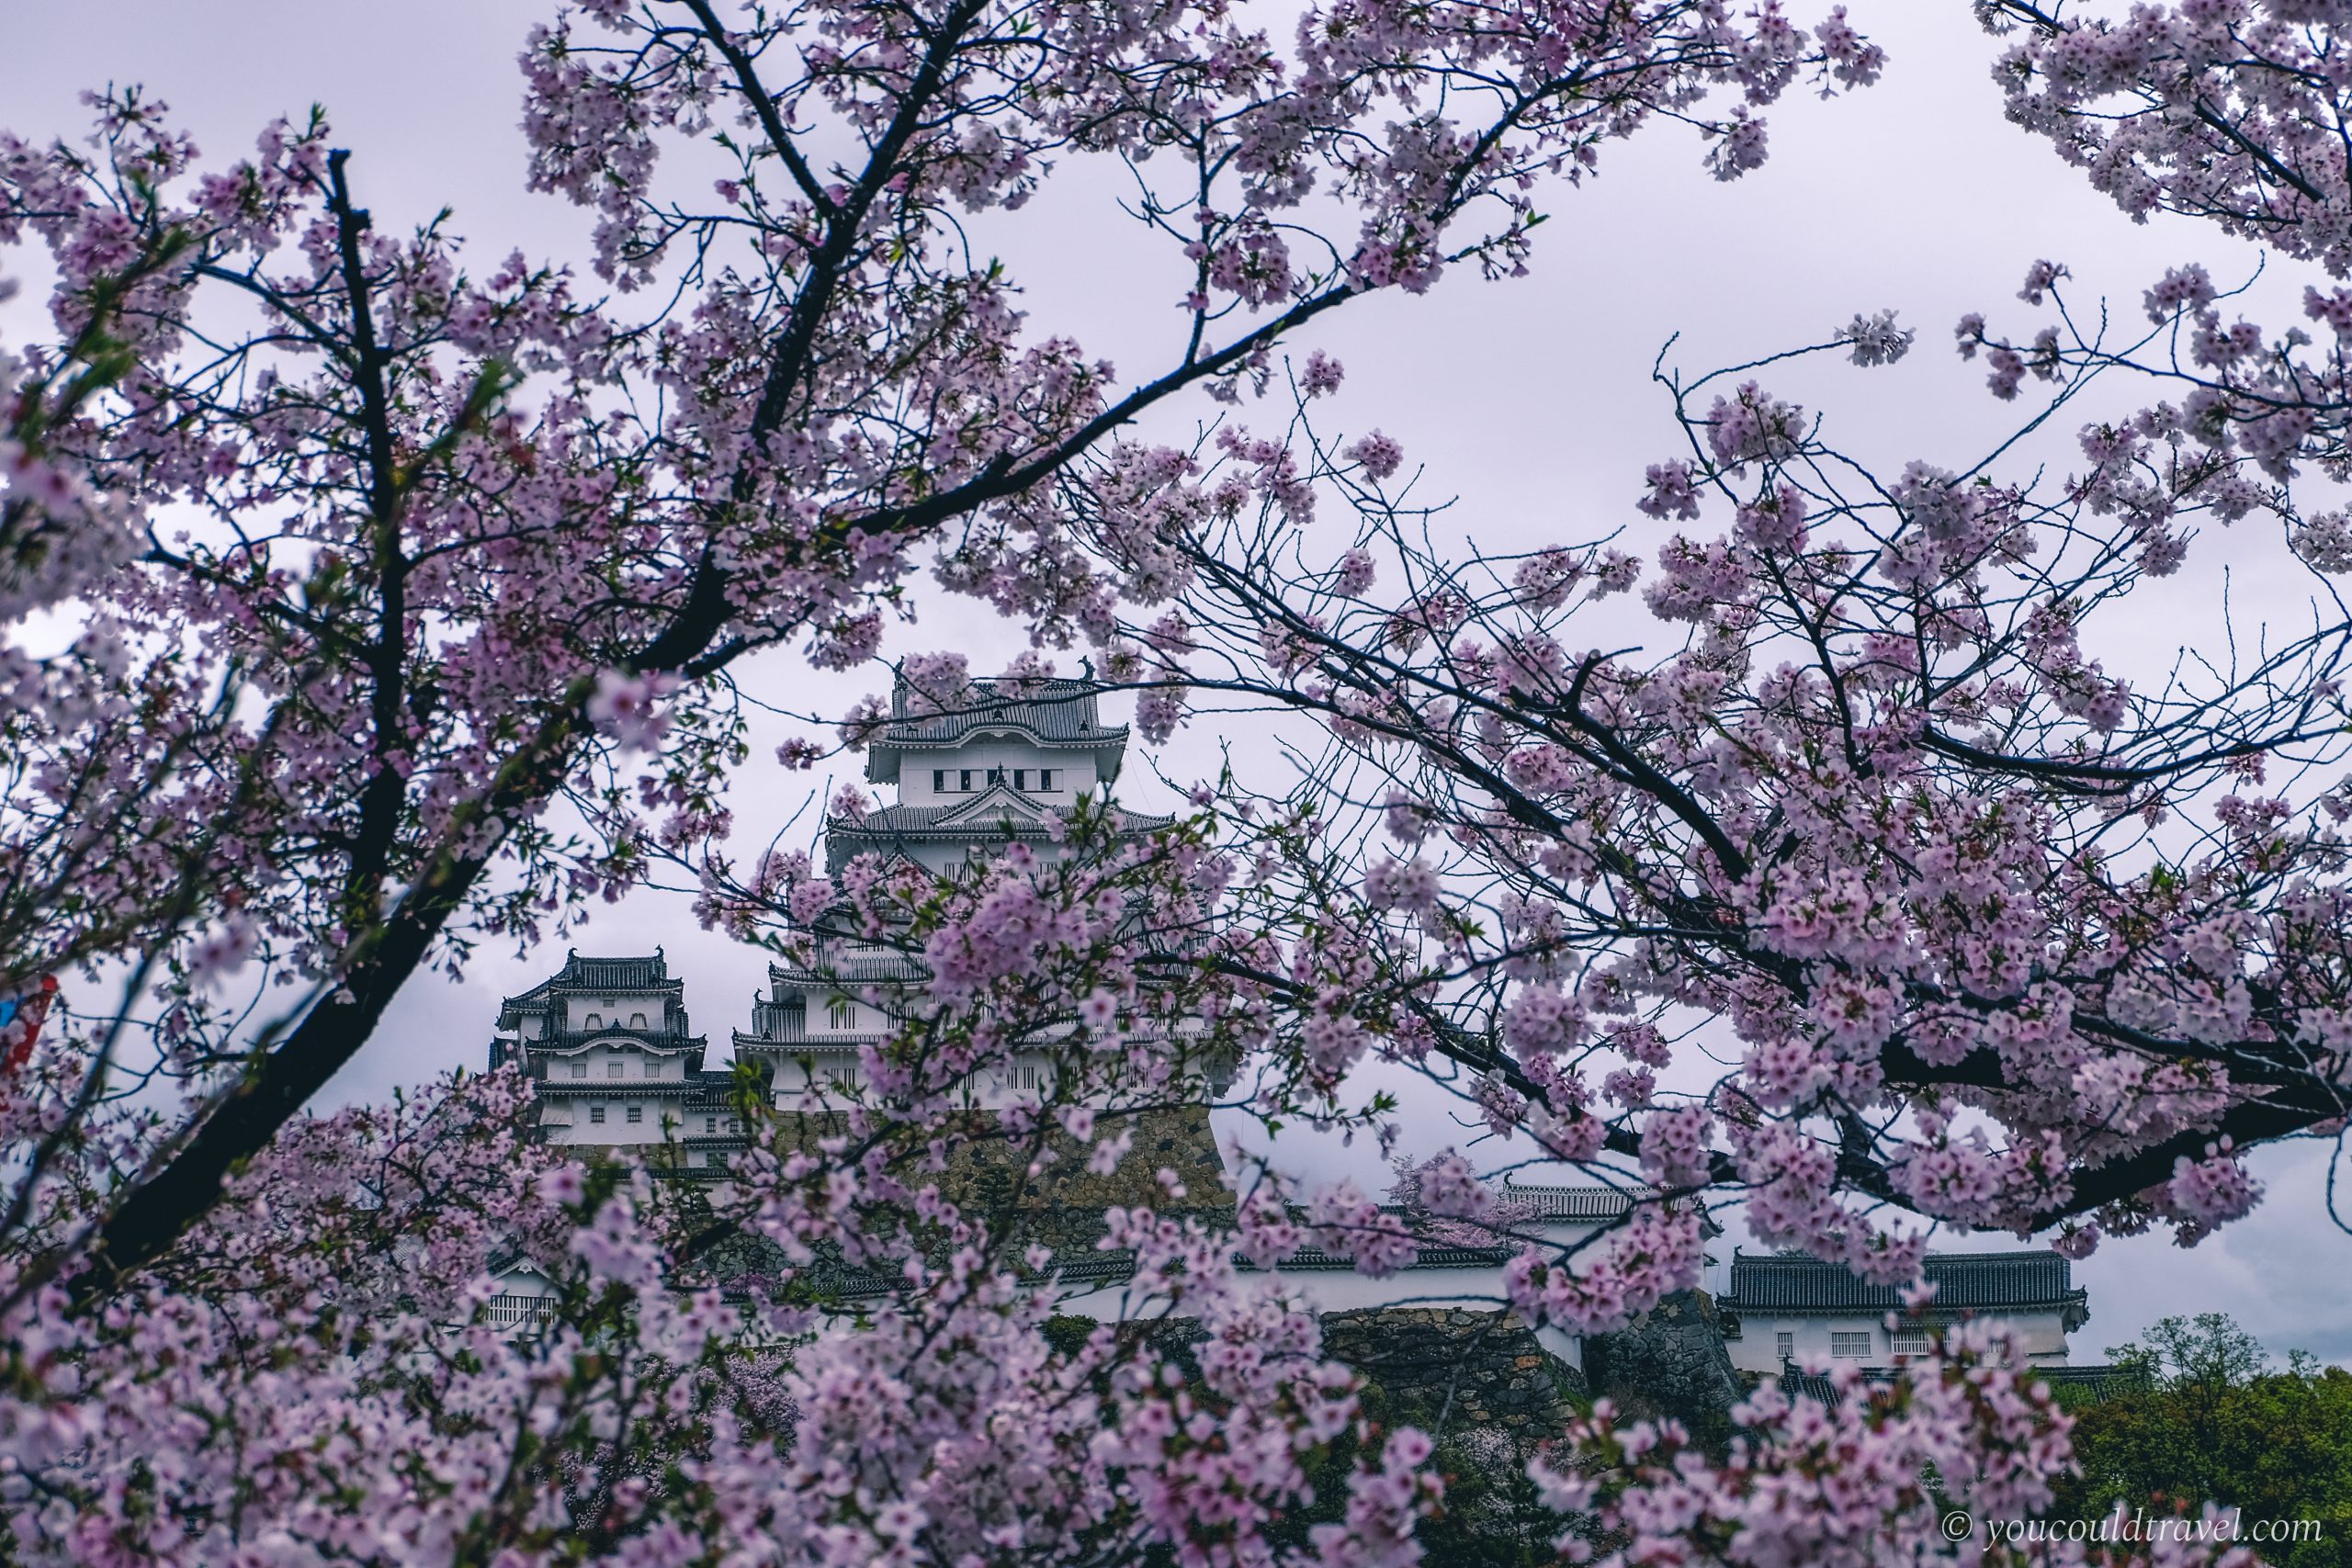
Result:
790,1082
617,1009
1024,1077
615,1128
2041,1337
522,1279
861,1018
595,1065
1073,771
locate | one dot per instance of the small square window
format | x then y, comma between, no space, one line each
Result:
1850,1347
579,1070
1910,1341
841,1012
614,1067
1046,779
1784,1345
653,1069
637,1113
711,1124
596,1114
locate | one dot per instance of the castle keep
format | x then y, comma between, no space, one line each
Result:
619,1069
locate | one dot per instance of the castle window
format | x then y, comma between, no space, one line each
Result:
996,775
841,1012
1910,1341
614,1069
963,781
1784,1345
1850,1347
596,1114
596,1021
636,1021
1045,780
579,1070
637,1113
711,1124
653,1069
939,781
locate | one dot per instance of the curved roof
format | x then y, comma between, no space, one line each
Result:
1978,1282
1058,714
903,827
578,974
2072,1385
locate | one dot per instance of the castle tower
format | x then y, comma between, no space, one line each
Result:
614,1060
991,770
987,772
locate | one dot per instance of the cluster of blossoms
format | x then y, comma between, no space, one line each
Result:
454,550
1963,1438
326,1352
1989,936
2231,111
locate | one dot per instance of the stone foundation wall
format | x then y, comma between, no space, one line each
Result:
1455,1369
1669,1361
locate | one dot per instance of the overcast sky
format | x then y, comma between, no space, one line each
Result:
1528,400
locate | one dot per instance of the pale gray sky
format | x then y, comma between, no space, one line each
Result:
1529,400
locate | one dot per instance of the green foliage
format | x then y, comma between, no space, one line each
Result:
2218,1420
1494,1515
1068,1334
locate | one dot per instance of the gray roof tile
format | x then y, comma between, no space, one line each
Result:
1049,710
1964,1280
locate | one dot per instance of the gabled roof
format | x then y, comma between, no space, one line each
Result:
658,1043
1965,1282
1573,1202
617,973
849,968
999,803
1589,1204
2074,1387
578,974
892,828
1058,714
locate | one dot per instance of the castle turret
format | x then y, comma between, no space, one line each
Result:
615,1062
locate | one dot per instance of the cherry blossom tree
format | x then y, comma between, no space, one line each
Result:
377,552
1883,820
313,1373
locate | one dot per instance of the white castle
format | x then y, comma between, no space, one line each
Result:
606,1039
614,1062
616,1066
994,771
